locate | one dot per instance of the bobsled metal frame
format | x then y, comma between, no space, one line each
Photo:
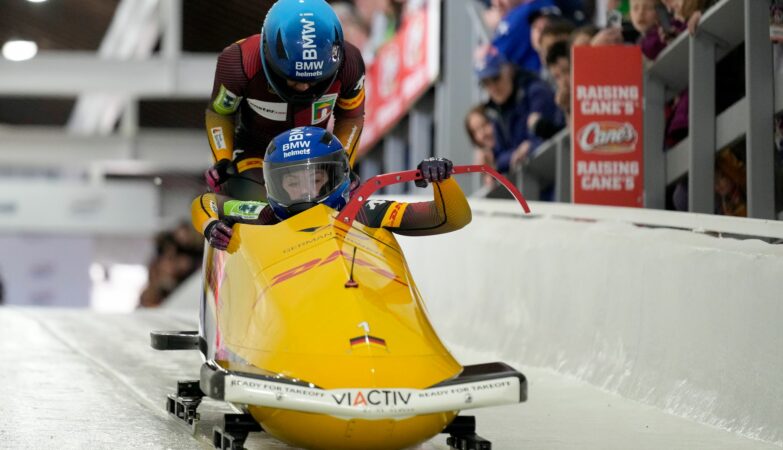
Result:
477,386
348,214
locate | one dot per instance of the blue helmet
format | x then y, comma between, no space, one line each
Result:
304,167
302,41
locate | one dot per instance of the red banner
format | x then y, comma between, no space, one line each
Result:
606,137
403,69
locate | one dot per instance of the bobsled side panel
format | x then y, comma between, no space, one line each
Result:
270,244
293,315
313,316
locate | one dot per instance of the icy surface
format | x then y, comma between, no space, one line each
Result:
77,379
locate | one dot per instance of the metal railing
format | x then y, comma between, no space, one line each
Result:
689,63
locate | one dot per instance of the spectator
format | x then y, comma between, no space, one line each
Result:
354,29
676,112
643,15
383,18
608,36
573,11
178,255
656,39
558,62
482,135
538,21
596,10
730,184
556,30
693,12
514,95
583,35
493,15
513,34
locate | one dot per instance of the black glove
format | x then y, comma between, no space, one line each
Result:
218,233
218,174
433,169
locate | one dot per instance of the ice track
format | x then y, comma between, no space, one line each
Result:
77,379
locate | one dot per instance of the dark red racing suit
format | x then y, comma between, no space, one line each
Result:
245,113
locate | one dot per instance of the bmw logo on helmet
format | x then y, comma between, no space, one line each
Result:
302,42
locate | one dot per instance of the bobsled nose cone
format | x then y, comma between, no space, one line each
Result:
321,432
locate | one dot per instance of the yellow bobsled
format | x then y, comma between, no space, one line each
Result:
315,327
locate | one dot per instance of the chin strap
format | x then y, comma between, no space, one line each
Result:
348,214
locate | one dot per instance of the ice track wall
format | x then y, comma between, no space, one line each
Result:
687,322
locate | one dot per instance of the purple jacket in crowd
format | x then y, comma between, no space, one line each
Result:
677,119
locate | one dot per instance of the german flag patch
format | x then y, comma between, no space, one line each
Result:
368,340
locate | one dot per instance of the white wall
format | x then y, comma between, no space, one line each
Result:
46,270
684,321
63,207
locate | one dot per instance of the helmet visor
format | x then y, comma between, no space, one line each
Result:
304,181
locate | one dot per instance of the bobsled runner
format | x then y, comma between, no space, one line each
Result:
315,330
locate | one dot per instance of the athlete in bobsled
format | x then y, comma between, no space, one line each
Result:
311,323
316,171
298,71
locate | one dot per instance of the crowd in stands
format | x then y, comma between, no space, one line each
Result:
368,24
178,254
524,72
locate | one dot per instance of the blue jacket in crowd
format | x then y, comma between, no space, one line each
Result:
531,94
512,36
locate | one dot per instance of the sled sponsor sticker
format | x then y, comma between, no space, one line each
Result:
226,101
334,256
217,138
394,215
368,340
322,108
372,402
373,397
269,110
243,209
606,142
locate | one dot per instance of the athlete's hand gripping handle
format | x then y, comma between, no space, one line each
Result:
218,233
433,169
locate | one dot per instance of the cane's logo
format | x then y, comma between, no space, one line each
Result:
607,137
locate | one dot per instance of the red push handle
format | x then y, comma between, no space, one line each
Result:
348,214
